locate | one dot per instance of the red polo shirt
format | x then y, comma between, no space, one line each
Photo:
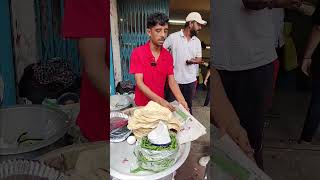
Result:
89,19
153,76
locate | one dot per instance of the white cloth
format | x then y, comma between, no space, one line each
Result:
278,20
242,39
183,50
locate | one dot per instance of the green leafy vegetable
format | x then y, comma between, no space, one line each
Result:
146,144
155,158
160,164
139,169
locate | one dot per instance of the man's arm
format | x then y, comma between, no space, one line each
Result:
262,4
207,77
313,41
197,60
149,93
93,52
176,91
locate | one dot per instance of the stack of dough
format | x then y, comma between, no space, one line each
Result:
145,119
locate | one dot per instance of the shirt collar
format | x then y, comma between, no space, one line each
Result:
149,53
182,35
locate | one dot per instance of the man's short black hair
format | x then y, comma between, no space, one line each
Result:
186,24
157,18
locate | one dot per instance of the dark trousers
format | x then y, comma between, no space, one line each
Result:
207,100
187,91
313,116
249,92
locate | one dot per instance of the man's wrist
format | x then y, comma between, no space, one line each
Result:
182,101
159,100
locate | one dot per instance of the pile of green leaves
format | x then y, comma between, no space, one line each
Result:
160,164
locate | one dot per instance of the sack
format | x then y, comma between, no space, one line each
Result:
125,87
48,80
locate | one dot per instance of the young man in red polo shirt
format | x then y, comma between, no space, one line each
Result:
152,65
86,21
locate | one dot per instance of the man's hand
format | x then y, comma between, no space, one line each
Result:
306,66
194,61
306,8
262,4
292,4
166,104
176,91
205,82
185,105
189,62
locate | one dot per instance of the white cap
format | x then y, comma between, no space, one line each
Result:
195,16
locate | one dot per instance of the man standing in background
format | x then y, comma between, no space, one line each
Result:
186,50
311,68
243,53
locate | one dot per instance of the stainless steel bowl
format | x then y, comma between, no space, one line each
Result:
38,121
120,102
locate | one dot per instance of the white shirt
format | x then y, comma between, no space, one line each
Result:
183,50
241,39
278,20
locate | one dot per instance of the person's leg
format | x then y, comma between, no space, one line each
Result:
207,100
260,90
248,92
238,86
188,92
313,116
280,53
276,67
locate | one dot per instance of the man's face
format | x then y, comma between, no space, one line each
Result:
195,28
158,34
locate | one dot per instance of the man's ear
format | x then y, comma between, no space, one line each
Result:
191,24
149,32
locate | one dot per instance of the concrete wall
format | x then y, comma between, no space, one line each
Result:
115,41
24,35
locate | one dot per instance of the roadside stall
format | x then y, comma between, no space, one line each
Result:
150,142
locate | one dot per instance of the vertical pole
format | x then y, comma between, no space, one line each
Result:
6,55
112,85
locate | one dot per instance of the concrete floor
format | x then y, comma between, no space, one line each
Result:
191,170
284,158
